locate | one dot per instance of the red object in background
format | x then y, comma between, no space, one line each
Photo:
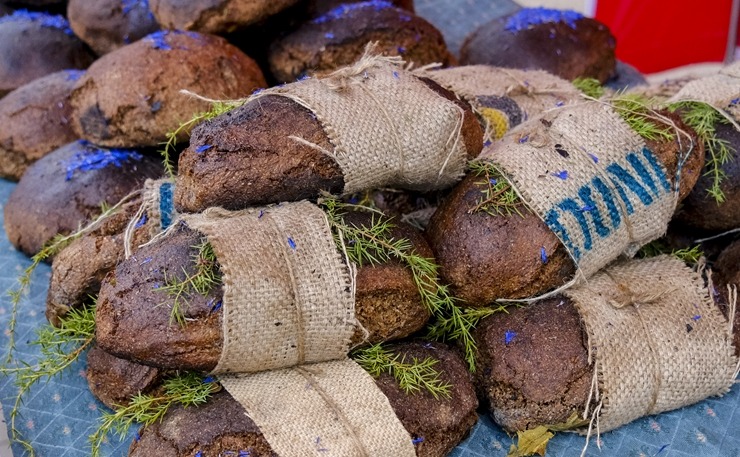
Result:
655,35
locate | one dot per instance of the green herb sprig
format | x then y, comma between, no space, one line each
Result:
168,147
498,195
655,248
206,277
374,244
187,389
590,87
638,112
411,377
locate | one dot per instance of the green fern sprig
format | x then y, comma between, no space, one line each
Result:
498,195
374,245
187,389
59,348
207,275
411,377
217,108
703,118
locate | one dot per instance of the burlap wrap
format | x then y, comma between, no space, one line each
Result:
721,90
156,211
591,179
657,340
387,127
327,409
288,295
534,91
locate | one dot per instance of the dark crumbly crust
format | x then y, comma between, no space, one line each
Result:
28,51
46,203
485,257
35,119
251,160
133,317
727,272
214,16
330,42
542,375
106,25
700,210
222,425
131,97
316,7
488,257
115,381
584,51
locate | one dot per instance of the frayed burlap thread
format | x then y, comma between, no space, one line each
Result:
657,340
387,127
156,208
534,91
331,409
721,91
288,294
591,179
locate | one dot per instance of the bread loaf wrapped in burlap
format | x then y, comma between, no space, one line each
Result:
288,296
564,193
365,126
641,337
73,282
326,409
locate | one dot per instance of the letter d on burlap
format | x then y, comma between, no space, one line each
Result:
656,339
288,294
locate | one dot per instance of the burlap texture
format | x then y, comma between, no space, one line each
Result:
327,409
657,340
721,90
387,127
534,91
591,179
155,213
288,295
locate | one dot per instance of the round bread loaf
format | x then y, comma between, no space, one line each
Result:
727,273
64,190
338,38
133,316
131,97
486,257
35,44
249,157
700,209
564,43
316,7
106,25
221,425
35,120
214,16
115,381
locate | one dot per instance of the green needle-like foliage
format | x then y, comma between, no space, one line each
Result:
187,389
637,112
589,86
59,348
50,249
207,275
655,248
498,196
703,118
373,245
217,108
411,377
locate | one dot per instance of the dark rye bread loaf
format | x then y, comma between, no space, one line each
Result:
106,25
247,157
214,16
533,364
116,381
316,7
35,44
700,210
338,38
64,190
221,425
133,316
131,97
35,120
564,43
727,273
486,257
